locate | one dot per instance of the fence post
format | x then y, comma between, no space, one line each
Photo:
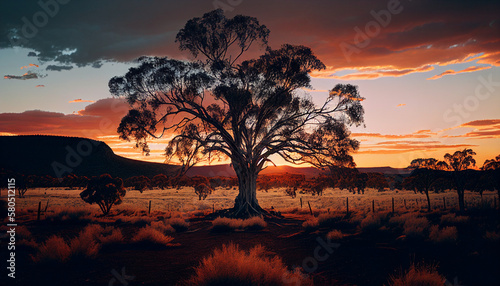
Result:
347,204
300,202
444,203
39,208
373,206
405,202
392,205
46,206
310,209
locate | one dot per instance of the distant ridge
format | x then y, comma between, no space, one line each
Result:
57,155
47,155
226,170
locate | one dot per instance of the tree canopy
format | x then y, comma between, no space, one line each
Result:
249,111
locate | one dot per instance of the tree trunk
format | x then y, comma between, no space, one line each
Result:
246,204
461,200
459,184
428,201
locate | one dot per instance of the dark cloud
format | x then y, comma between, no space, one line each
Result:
58,68
422,34
28,75
32,54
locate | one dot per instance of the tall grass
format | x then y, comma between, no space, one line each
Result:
418,275
221,224
232,266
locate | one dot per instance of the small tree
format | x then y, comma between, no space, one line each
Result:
460,161
492,164
425,175
203,190
105,191
161,181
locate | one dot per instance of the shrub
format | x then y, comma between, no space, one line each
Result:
232,266
370,222
69,214
150,235
228,224
415,226
178,224
54,249
335,235
162,226
492,236
420,275
451,218
446,234
110,235
86,244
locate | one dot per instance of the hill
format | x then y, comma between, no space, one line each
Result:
58,156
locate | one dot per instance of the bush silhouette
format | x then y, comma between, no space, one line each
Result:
105,191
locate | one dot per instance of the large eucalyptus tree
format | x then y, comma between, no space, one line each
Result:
246,110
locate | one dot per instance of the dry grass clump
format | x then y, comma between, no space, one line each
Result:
152,236
451,218
162,226
86,245
493,236
233,266
335,235
418,275
446,234
222,224
69,214
134,220
415,226
55,249
179,224
371,222
400,220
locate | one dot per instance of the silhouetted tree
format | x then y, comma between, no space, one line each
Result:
458,162
492,164
246,110
424,175
160,181
105,191
203,190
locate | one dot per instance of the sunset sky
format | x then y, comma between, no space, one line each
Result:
429,70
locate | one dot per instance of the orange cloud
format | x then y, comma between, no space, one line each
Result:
417,134
40,85
452,72
97,119
80,100
398,147
483,129
370,72
30,65
401,104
